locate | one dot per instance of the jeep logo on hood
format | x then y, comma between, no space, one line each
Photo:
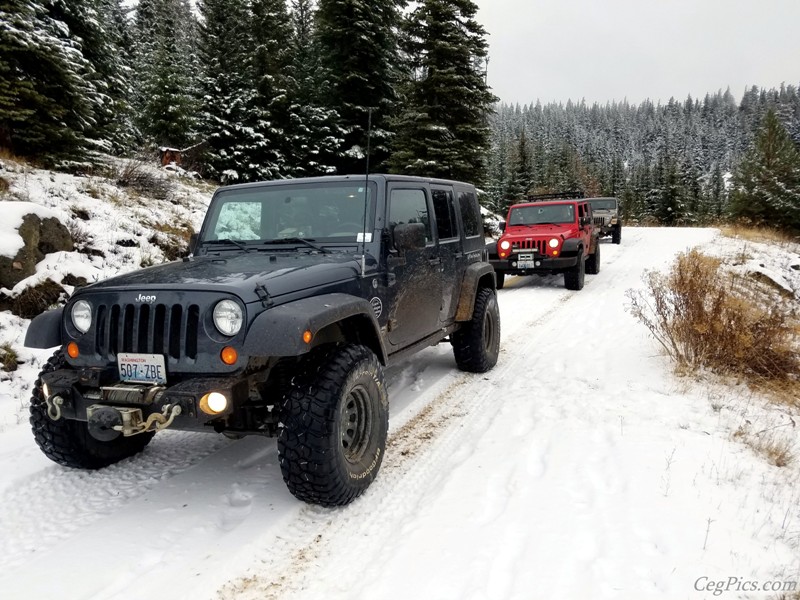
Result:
143,298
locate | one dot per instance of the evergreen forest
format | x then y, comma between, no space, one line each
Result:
268,89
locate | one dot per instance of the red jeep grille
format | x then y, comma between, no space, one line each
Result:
149,329
530,244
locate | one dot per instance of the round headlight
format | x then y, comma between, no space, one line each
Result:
228,317
553,243
82,315
505,244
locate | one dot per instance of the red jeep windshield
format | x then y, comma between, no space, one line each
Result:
540,215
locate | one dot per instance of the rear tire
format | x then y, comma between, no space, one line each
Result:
616,234
593,262
476,345
500,277
335,421
68,442
574,278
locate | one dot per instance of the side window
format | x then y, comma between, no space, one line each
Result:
470,214
409,206
445,211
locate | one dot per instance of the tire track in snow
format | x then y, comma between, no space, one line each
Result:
416,454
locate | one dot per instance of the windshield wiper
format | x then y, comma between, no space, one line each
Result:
228,241
297,240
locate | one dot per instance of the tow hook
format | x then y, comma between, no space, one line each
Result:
54,405
107,422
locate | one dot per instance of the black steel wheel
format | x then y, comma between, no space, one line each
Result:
476,345
335,419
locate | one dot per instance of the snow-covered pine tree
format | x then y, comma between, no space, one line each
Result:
443,128
315,135
165,66
98,25
767,183
359,57
271,107
46,95
228,90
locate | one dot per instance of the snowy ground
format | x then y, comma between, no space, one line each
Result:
580,467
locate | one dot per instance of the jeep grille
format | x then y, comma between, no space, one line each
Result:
151,329
530,244
600,221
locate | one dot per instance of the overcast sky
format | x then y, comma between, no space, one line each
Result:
604,50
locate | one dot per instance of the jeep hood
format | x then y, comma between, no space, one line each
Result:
548,231
239,274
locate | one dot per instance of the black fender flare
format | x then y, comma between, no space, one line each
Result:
45,330
571,246
476,275
279,331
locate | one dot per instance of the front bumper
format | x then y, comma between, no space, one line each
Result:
542,264
82,391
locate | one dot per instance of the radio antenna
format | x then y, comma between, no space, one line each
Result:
366,201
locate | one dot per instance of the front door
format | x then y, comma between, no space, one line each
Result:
417,292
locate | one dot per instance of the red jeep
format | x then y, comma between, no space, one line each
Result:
556,236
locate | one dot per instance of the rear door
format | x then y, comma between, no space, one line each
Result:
447,233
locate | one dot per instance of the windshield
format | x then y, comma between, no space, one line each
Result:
321,211
538,215
606,204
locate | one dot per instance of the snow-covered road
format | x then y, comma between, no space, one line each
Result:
578,468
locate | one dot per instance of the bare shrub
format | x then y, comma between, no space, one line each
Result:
135,173
707,318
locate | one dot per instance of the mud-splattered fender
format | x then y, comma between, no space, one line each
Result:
45,330
279,331
477,275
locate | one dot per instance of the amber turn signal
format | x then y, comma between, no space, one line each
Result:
229,355
72,350
307,336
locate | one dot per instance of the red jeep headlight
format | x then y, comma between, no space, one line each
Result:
503,248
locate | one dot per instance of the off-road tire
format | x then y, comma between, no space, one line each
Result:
476,345
593,261
335,419
574,278
500,278
68,442
616,234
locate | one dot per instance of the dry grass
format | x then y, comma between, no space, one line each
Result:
707,318
758,234
772,444
8,358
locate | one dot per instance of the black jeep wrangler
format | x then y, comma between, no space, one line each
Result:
279,323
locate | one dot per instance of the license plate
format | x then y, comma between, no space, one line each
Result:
142,368
526,261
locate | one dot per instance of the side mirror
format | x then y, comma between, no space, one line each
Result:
502,225
409,236
584,221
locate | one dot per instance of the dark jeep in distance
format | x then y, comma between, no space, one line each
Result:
549,237
607,219
296,295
